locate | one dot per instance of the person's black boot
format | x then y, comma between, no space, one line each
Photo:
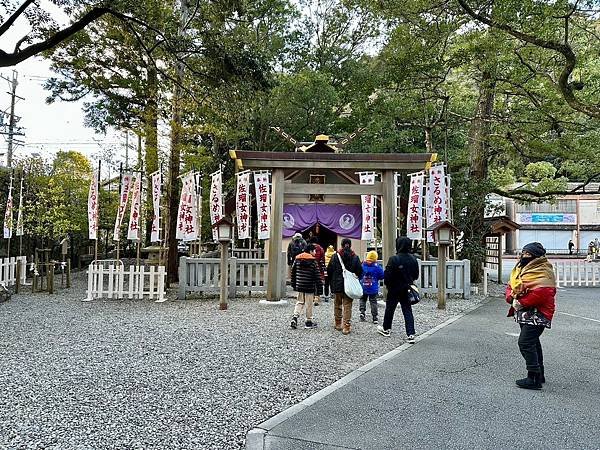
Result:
531,382
542,377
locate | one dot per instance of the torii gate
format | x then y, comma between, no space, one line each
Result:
285,166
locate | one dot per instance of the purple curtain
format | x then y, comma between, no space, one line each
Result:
344,220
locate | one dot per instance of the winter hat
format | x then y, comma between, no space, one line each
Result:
372,256
297,236
535,249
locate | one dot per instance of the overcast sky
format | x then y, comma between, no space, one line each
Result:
47,128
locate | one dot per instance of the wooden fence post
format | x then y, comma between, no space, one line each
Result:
50,278
183,267
68,273
18,277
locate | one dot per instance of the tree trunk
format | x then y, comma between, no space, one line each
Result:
151,131
478,146
174,163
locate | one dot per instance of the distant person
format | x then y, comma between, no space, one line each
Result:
401,271
328,254
372,274
531,293
306,280
342,309
320,257
571,245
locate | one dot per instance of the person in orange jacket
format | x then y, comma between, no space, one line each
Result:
531,293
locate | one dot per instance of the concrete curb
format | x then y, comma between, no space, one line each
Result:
255,438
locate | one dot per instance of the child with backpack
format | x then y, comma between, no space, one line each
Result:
372,273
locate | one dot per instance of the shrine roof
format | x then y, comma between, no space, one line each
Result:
351,161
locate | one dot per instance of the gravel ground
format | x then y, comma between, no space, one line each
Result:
180,375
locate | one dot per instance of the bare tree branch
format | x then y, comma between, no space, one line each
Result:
6,25
564,49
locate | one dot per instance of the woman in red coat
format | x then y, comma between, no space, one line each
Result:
531,293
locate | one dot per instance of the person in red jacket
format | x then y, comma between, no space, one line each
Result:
531,293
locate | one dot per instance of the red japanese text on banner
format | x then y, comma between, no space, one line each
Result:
437,200
414,214
367,233
8,215
216,200
126,181
242,204
156,189
20,231
93,207
368,208
263,203
133,232
190,219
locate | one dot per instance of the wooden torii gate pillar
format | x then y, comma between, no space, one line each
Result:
274,280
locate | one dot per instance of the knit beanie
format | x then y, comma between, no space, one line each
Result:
535,249
372,256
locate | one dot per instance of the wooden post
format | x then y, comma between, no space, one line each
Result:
388,227
499,259
224,276
68,273
18,277
441,275
274,291
50,277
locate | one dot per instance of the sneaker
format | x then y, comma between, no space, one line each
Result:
294,323
310,324
375,321
363,318
411,339
383,332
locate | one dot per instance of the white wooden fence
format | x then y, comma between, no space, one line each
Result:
110,279
577,273
458,277
204,275
8,270
250,275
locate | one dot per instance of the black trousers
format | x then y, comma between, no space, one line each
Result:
390,307
531,348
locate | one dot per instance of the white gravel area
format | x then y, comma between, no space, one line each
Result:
177,375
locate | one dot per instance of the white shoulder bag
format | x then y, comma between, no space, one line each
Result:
352,286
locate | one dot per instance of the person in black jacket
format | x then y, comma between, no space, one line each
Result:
400,272
307,281
342,309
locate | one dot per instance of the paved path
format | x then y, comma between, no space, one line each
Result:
455,389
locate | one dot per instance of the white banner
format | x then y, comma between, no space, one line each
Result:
156,190
133,231
436,198
414,215
263,203
216,200
126,183
367,233
93,207
187,221
368,208
242,205
8,215
20,230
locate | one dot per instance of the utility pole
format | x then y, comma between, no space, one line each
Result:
12,119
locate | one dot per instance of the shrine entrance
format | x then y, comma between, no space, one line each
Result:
325,237
325,177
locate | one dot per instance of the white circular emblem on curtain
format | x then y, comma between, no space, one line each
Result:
288,221
347,221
